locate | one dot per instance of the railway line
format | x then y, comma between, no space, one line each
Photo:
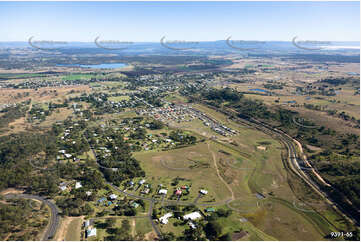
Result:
293,158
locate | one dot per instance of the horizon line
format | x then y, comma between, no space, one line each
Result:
78,41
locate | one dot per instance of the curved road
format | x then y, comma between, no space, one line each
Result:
54,219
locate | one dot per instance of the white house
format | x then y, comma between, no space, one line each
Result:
204,192
63,187
67,155
91,232
87,223
164,219
78,185
113,196
163,191
192,225
192,216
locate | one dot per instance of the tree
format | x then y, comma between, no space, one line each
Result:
125,225
226,237
213,230
110,222
156,124
168,236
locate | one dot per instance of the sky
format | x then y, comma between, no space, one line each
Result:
183,21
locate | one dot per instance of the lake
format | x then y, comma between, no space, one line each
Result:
258,90
98,66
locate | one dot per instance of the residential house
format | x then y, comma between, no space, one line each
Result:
164,219
163,191
192,216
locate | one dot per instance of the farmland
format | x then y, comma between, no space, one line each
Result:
196,148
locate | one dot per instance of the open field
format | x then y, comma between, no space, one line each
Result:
45,94
69,229
162,167
269,177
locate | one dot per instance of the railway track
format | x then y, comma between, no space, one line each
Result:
293,158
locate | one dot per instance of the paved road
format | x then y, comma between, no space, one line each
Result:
155,227
54,219
197,198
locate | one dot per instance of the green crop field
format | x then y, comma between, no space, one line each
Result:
73,77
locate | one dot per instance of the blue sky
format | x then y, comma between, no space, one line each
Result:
190,21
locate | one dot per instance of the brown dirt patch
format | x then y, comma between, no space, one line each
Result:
11,190
150,236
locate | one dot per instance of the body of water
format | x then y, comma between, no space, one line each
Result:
258,90
99,66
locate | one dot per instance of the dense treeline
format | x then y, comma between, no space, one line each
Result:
343,172
226,94
74,206
336,81
15,214
15,153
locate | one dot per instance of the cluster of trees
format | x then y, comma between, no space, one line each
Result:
118,234
182,138
139,133
125,210
152,98
14,215
221,95
273,86
252,108
16,151
74,206
156,124
9,114
39,112
343,172
336,81
127,167
209,229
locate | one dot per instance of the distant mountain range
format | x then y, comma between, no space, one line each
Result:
197,48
